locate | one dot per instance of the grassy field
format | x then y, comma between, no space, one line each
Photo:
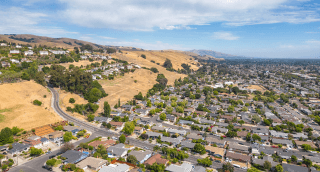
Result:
257,87
132,57
17,108
125,87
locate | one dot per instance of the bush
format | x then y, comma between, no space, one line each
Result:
37,102
143,56
71,100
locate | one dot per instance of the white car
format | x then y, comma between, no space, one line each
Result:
227,160
230,160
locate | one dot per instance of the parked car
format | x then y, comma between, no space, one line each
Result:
236,165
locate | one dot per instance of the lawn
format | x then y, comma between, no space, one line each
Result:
57,163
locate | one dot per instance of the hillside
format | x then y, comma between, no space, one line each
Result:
17,109
66,43
216,54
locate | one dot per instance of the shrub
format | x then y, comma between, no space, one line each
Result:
71,100
37,102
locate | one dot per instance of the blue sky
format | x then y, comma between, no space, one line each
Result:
254,28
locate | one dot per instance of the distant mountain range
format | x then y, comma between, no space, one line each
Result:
216,54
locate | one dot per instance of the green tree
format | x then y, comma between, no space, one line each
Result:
230,109
205,162
163,116
306,147
308,162
256,137
67,136
252,169
71,100
199,148
244,109
228,167
241,122
35,151
267,165
294,158
90,117
6,136
51,162
128,128
107,109
279,168
132,159
167,64
149,104
256,119
169,109
231,134
122,139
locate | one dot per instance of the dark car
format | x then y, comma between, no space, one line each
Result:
52,156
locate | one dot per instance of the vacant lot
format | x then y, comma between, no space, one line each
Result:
83,63
125,87
257,87
64,102
17,109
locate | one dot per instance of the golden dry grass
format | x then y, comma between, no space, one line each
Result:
81,62
64,102
257,87
177,58
125,88
132,58
17,107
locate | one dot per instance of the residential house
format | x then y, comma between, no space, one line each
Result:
106,143
43,53
33,143
145,121
175,131
297,136
218,142
117,125
3,44
158,128
44,141
238,157
265,158
92,163
14,52
5,64
138,130
300,143
117,150
96,76
74,130
185,167
187,144
171,118
142,112
28,53
73,156
282,142
156,159
194,136
236,147
127,107
260,131
185,122
174,141
242,134
154,135
102,119
215,151
294,168
15,61
56,136
141,156
115,168
287,155
276,134
18,148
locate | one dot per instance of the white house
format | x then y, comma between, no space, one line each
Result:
14,61
3,44
18,46
14,51
43,53
83,57
129,67
96,76
137,66
28,53
228,83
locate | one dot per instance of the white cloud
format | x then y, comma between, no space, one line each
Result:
105,37
142,15
224,36
19,21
